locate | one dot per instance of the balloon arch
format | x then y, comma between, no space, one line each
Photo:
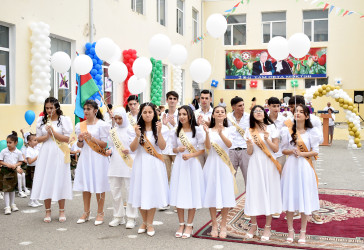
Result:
346,103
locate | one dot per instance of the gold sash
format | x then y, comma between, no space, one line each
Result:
151,150
225,158
94,146
63,146
238,128
259,142
120,147
184,139
131,120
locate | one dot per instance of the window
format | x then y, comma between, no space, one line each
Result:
235,84
4,65
274,24
236,30
274,84
61,87
196,89
108,87
161,12
316,25
194,23
180,16
165,83
137,6
315,82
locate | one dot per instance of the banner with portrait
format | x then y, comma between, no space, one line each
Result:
258,64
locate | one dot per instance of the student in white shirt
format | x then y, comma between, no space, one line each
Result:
331,124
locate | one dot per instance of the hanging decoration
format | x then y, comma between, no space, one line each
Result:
214,83
177,80
254,84
156,89
129,56
40,62
346,103
294,83
96,71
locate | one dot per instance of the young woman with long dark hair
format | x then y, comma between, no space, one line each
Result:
52,176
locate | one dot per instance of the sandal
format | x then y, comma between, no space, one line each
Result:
179,234
223,233
62,218
302,241
290,240
150,233
48,218
186,235
142,230
99,222
214,232
87,217
265,238
251,235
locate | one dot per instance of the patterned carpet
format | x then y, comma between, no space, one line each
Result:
341,210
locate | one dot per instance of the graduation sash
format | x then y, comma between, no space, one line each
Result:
225,158
184,139
259,142
151,150
302,147
238,128
93,145
120,147
131,120
63,146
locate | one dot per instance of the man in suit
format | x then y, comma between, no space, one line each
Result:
263,66
282,68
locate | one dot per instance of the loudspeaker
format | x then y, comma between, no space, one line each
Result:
359,96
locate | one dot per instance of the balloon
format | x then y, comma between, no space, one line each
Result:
116,56
178,55
117,72
159,46
216,25
20,143
299,45
136,86
105,48
82,64
61,62
278,48
29,117
3,144
32,98
142,67
200,70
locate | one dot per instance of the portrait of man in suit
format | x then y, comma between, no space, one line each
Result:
282,68
263,66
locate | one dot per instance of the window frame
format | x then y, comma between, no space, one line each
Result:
133,6
11,50
106,68
312,21
271,25
316,81
274,84
183,17
232,31
234,80
165,12
197,24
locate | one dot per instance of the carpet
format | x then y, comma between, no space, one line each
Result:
342,212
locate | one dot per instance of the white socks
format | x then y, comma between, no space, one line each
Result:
21,182
9,198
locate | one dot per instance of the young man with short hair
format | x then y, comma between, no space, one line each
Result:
203,114
133,105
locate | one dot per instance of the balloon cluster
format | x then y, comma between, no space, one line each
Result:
253,84
214,83
157,82
294,83
177,80
129,56
352,114
96,71
298,46
40,63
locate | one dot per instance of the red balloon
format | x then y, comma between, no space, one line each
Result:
134,56
126,56
131,60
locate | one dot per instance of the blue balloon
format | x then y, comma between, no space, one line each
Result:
100,87
29,117
88,45
93,44
92,51
100,62
3,144
100,71
97,66
94,61
98,77
87,51
93,72
20,143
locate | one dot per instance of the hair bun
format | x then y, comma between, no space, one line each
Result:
14,133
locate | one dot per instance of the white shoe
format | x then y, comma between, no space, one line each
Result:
27,191
14,208
99,222
1,196
130,224
80,221
7,210
164,208
117,221
21,194
32,204
38,203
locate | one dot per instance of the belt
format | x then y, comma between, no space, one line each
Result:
238,149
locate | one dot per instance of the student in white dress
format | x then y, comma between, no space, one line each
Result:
218,173
120,169
187,188
52,176
92,166
263,181
299,180
149,182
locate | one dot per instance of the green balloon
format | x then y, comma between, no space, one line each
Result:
20,143
3,144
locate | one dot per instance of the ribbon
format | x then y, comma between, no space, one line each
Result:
120,147
238,128
184,139
94,146
63,146
131,120
151,150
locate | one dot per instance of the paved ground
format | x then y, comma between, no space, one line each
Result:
337,168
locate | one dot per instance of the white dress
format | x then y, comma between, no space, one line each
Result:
52,177
149,182
263,189
298,183
187,188
219,182
92,168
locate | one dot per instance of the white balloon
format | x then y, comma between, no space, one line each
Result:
40,99
105,48
354,146
142,67
135,85
118,72
32,98
278,48
178,55
159,46
216,25
200,70
82,64
61,62
299,45
117,56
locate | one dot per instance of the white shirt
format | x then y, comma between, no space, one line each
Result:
222,104
107,118
31,153
172,129
11,157
236,139
332,120
327,108
206,115
279,125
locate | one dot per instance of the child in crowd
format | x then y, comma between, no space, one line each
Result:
10,162
31,157
75,154
23,191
